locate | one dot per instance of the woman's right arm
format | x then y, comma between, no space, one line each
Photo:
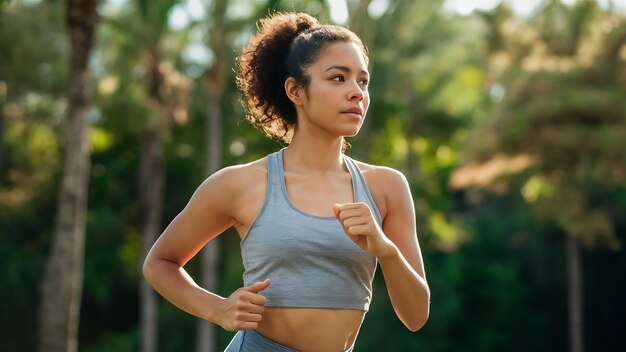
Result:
208,214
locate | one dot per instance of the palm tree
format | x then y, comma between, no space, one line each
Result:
160,97
62,283
162,91
206,338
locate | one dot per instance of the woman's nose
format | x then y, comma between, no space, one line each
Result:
356,93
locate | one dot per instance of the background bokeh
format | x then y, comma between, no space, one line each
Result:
507,118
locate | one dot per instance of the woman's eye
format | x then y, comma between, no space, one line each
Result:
338,78
364,82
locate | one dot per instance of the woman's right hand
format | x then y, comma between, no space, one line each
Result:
243,309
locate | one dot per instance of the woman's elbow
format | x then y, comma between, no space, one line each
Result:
417,324
148,269
420,318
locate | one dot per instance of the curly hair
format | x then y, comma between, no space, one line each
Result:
285,45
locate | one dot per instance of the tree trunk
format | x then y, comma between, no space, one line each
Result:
358,22
151,187
3,95
151,184
210,254
61,287
206,338
413,128
575,296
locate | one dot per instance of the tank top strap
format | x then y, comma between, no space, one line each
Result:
361,190
274,165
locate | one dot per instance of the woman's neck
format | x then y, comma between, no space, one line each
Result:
314,154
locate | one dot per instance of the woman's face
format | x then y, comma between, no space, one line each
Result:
336,100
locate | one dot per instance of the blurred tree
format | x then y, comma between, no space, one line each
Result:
556,127
63,279
3,98
32,73
358,19
162,83
32,78
164,98
217,42
4,4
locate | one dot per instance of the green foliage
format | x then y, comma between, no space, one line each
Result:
27,209
37,64
122,342
566,113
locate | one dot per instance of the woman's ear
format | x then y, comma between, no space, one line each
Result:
294,91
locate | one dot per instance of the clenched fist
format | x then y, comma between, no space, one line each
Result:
359,224
243,309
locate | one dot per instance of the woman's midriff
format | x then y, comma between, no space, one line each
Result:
312,329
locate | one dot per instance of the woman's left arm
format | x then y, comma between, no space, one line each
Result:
395,245
402,265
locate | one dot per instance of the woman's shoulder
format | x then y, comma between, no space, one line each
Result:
240,173
232,180
230,185
380,174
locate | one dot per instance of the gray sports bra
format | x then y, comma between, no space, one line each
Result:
309,259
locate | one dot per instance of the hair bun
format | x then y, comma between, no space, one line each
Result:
261,70
288,25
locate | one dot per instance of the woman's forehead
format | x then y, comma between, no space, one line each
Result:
342,55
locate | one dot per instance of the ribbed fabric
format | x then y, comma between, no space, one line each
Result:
252,341
310,260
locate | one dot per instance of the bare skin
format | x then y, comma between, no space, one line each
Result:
318,183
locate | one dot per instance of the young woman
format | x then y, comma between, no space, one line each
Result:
313,222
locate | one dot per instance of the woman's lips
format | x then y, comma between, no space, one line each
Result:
354,111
